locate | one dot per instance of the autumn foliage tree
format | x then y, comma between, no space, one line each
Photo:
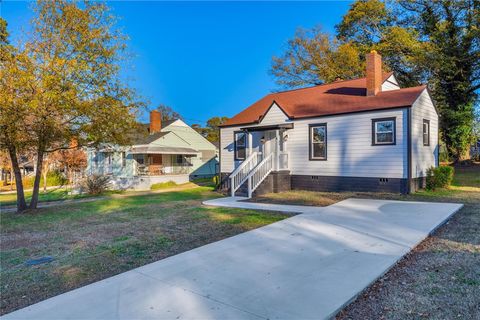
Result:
15,76
63,84
313,57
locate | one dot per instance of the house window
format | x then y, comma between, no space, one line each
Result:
182,160
383,131
124,160
140,159
318,141
108,156
179,159
426,132
95,158
240,145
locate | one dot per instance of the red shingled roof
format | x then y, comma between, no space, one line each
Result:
328,99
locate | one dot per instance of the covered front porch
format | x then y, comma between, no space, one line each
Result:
263,142
260,154
161,161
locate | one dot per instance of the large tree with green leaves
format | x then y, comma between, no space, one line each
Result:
451,28
371,24
70,88
420,40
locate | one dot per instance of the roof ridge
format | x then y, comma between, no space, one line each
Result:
390,73
315,86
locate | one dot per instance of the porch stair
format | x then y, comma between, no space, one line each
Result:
250,174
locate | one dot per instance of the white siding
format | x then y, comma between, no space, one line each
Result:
274,116
423,157
226,149
349,147
390,84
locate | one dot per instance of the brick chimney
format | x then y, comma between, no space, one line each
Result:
374,73
155,121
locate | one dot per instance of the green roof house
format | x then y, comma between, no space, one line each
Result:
160,152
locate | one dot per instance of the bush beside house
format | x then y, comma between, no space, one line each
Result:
440,177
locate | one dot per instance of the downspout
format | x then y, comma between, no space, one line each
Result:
220,182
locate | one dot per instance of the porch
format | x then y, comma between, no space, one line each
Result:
260,152
161,161
161,164
262,142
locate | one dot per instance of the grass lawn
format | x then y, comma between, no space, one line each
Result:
60,193
94,240
440,279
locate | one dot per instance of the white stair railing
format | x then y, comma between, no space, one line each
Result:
259,173
239,175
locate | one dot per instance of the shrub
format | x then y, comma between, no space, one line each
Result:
163,185
440,177
54,178
96,184
216,181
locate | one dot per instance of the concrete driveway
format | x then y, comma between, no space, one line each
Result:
305,267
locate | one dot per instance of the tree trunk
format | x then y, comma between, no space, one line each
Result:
36,183
21,204
11,179
45,173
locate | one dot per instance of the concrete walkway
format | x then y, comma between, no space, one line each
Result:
305,267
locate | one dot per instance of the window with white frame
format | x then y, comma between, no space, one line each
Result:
240,145
318,141
383,131
426,132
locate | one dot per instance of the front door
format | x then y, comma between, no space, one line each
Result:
268,143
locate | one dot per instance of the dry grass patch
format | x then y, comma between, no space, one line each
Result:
94,240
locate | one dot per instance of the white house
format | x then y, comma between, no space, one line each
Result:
160,152
365,134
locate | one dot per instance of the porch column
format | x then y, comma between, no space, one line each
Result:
249,136
277,150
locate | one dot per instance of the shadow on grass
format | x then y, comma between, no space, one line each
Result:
45,217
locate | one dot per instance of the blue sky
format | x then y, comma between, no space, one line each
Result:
204,59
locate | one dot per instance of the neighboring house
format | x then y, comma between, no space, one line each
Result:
171,151
26,164
475,150
365,134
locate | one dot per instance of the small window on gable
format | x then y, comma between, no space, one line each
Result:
426,132
318,141
240,145
383,131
